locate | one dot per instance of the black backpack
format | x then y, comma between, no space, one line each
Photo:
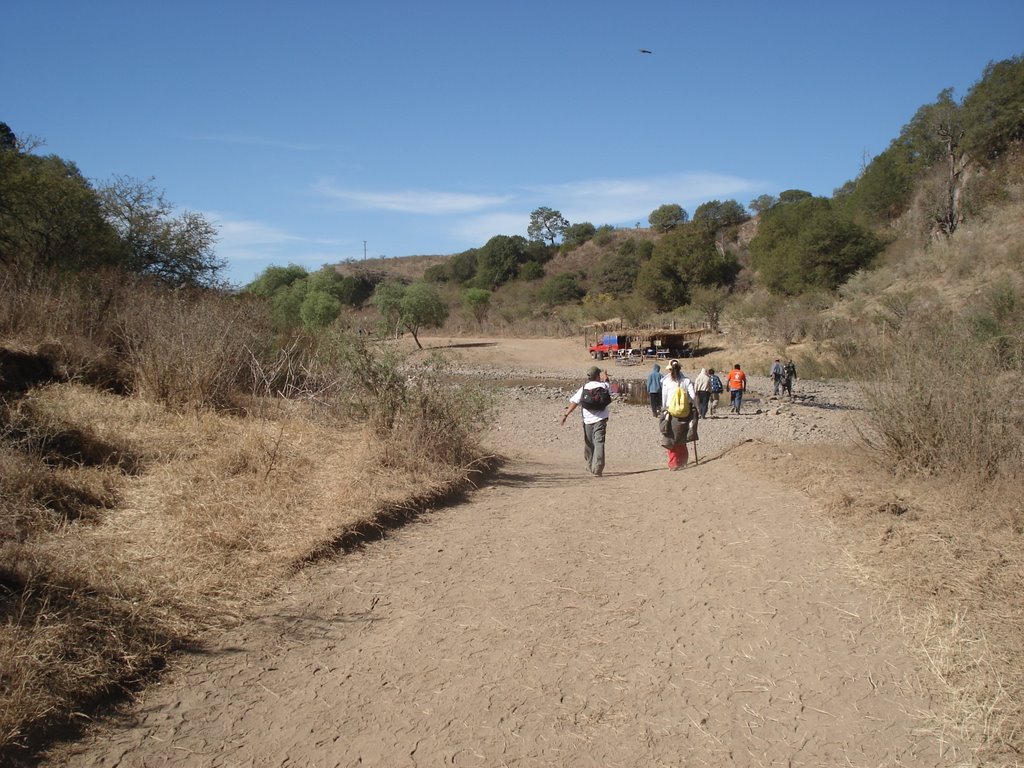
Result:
596,398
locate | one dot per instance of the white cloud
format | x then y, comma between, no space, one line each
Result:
599,201
428,202
477,230
248,245
619,201
247,234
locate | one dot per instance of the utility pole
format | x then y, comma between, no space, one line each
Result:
364,250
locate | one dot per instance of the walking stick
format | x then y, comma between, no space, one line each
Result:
696,458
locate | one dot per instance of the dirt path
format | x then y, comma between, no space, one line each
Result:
645,618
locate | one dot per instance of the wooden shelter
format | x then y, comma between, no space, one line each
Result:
613,338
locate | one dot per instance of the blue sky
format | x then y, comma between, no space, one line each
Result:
313,132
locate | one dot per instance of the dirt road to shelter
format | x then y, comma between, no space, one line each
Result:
644,618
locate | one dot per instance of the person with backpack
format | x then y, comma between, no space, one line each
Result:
716,392
702,386
737,386
678,421
788,374
593,399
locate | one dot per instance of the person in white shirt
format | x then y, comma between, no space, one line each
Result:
595,417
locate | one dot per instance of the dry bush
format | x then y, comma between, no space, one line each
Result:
362,378
52,473
442,419
410,405
930,402
121,333
69,323
817,366
988,188
779,320
791,324
190,349
35,498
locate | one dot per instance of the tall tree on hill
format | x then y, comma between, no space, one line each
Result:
478,302
683,260
546,225
762,203
882,192
790,196
8,141
578,234
422,307
940,126
462,266
272,279
667,217
929,150
387,298
716,214
616,273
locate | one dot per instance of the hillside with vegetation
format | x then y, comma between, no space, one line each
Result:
164,438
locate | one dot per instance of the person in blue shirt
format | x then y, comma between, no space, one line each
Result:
776,373
716,392
654,389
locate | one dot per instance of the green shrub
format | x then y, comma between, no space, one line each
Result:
531,270
319,309
561,289
807,245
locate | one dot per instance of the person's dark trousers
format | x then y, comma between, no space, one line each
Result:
593,446
703,398
655,402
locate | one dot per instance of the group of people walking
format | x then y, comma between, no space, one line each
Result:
782,377
708,388
675,400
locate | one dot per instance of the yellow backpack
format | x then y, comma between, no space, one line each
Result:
679,403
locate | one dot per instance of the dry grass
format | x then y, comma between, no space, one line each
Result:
219,512
929,508
949,563
406,268
129,525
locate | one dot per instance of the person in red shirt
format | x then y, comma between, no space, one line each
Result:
737,386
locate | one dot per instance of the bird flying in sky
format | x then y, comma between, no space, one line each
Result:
644,50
